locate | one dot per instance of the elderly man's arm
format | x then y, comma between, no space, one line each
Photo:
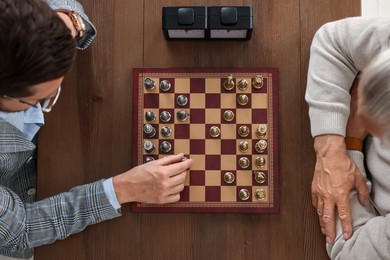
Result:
339,51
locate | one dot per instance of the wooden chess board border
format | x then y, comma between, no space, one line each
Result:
273,204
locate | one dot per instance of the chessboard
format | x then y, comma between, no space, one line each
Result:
226,120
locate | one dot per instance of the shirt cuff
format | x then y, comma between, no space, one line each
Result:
110,192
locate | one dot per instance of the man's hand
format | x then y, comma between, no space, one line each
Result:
68,23
335,175
159,181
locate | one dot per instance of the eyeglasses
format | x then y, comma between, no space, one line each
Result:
47,104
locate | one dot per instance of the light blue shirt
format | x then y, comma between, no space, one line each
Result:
29,122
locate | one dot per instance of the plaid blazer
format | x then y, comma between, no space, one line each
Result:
25,224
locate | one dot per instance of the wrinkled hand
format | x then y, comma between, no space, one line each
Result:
335,175
159,181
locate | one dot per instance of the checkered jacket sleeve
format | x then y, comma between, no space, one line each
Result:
90,32
28,225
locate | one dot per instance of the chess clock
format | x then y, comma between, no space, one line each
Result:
187,22
201,22
230,22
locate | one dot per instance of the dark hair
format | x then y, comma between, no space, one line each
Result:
35,46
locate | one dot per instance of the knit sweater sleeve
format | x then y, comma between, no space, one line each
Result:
338,52
371,232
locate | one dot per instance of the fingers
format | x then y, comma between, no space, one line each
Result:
329,221
344,212
177,168
170,159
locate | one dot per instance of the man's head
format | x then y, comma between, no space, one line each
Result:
36,47
374,97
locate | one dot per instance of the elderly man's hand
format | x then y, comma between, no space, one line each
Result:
335,175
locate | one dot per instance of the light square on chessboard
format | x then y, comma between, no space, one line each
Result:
156,146
167,100
182,85
213,116
238,146
197,193
243,116
197,131
228,131
259,100
198,100
228,100
213,178
266,189
228,194
265,167
213,146
156,113
199,162
213,85
249,87
244,178
156,88
182,146
228,162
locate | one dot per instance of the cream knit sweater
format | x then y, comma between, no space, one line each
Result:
339,51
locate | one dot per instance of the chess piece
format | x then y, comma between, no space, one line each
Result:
228,115
150,116
149,147
261,130
149,84
148,159
260,146
228,177
182,115
165,85
244,162
165,116
149,130
243,146
165,146
182,100
184,159
166,131
242,99
229,83
215,131
260,177
260,161
243,131
258,82
260,194
244,194
242,84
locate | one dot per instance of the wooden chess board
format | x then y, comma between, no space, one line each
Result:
235,153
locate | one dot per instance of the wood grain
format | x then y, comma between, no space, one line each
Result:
87,137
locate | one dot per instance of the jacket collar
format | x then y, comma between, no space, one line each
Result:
12,140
